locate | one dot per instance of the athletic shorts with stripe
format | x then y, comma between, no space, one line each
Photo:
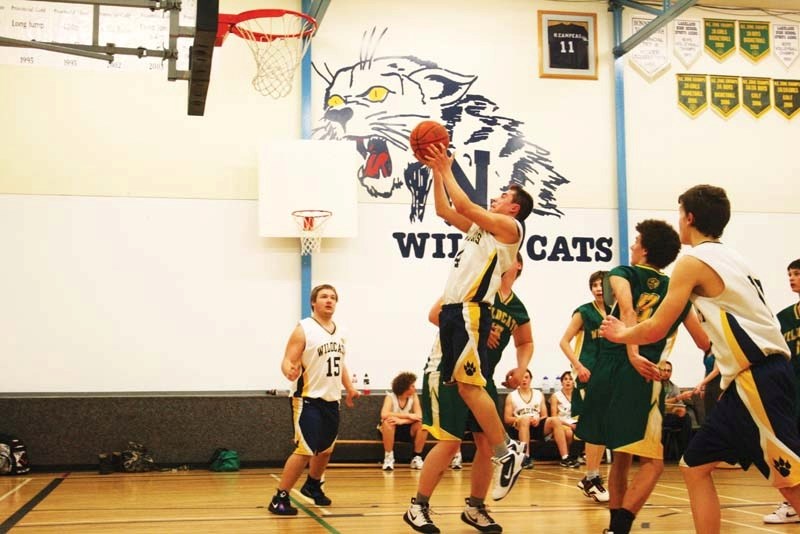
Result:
463,333
621,409
316,425
754,424
444,413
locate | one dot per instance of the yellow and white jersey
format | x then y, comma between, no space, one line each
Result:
479,264
530,407
739,323
323,358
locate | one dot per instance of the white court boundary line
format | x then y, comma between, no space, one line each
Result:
16,488
686,500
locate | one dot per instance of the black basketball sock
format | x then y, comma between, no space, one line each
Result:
622,521
613,512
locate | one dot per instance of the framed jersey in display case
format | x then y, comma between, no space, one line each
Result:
567,45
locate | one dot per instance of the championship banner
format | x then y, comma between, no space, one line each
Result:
650,57
724,94
786,95
719,37
754,39
755,95
692,93
686,41
785,38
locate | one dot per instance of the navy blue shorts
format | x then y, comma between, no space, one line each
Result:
754,424
463,333
316,425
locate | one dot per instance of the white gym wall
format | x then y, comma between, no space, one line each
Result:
129,231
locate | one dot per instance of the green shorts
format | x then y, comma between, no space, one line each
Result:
444,413
621,409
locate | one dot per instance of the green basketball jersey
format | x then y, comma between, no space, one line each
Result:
648,289
790,328
587,342
507,315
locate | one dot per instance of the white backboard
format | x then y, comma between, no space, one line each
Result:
302,174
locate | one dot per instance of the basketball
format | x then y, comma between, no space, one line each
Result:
425,134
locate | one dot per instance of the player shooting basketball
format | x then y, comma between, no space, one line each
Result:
492,240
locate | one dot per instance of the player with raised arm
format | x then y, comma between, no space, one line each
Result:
488,249
754,421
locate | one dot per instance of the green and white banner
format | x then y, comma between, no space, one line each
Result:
692,93
786,94
756,95
719,37
754,39
724,94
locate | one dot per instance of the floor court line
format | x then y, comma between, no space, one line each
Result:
15,489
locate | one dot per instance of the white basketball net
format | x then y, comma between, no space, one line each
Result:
278,50
310,224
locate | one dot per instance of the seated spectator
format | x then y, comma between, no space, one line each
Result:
675,416
526,413
401,419
561,405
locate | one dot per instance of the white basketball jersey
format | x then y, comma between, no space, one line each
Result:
530,407
564,406
323,358
396,404
739,323
479,264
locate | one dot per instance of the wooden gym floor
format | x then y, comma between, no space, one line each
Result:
365,500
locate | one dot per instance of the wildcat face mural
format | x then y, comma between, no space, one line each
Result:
376,102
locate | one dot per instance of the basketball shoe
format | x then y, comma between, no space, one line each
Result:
456,462
416,462
507,469
594,488
281,505
418,516
388,461
313,490
478,517
784,513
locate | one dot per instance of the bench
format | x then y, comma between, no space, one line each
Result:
360,442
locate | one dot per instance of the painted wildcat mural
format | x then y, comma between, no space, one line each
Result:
377,101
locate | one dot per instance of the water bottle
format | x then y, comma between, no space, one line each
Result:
354,380
366,384
556,385
545,384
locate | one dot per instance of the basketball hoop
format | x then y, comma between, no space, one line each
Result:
310,223
278,39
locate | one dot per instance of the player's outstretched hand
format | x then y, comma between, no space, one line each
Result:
352,394
645,367
611,328
436,158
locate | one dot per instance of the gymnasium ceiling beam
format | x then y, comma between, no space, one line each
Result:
662,18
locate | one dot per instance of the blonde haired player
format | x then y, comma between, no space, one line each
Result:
314,362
